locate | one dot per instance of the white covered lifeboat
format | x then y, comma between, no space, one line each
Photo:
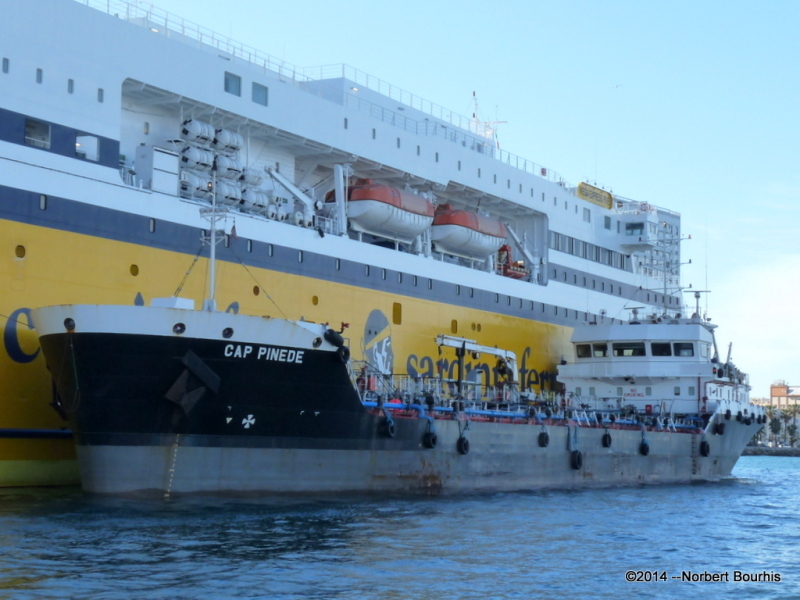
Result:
387,212
466,234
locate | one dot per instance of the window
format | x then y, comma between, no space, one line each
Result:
152,225
383,274
100,95
634,229
415,281
683,348
453,326
591,391
338,264
249,245
233,84
398,142
37,134
5,65
418,150
437,157
374,133
629,349
39,75
648,391
88,147
42,202
70,86
459,165
587,215
691,390
619,391
397,313
607,222
261,96
600,350
661,349
583,350
366,270
299,256
577,391
270,250
495,179
677,390
479,172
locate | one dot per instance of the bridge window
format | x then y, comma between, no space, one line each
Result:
583,350
661,349
629,349
683,348
600,350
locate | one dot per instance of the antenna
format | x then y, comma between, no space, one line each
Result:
487,129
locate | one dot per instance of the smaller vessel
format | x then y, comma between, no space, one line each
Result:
385,211
466,234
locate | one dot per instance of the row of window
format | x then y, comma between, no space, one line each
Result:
37,134
581,249
601,349
258,93
648,391
40,79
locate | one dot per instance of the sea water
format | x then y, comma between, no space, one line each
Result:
674,541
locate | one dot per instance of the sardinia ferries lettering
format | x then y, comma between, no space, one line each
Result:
266,353
530,379
595,195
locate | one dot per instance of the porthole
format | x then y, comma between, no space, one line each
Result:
256,290
178,328
227,332
69,324
314,300
249,245
479,327
19,252
299,256
42,202
473,327
152,225
134,270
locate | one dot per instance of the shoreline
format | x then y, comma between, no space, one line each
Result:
764,451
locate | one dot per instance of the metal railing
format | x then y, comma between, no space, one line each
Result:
452,126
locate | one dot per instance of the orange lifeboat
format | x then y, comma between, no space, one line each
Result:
463,233
385,211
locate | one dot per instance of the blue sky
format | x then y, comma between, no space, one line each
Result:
692,106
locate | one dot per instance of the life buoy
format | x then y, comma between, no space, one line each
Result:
576,459
544,439
606,440
462,445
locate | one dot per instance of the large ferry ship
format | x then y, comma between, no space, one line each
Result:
348,201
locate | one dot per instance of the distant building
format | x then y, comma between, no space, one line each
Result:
782,394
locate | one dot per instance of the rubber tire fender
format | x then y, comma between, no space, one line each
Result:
705,448
429,440
644,448
607,440
576,459
462,445
544,439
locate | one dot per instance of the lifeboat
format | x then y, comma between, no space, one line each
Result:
387,212
463,233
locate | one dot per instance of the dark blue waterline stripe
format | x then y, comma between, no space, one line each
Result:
36,434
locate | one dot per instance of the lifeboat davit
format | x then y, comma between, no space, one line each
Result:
463,233
387,212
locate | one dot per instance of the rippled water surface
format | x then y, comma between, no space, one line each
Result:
575,544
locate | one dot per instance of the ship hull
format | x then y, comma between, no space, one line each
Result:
502,457
261,406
